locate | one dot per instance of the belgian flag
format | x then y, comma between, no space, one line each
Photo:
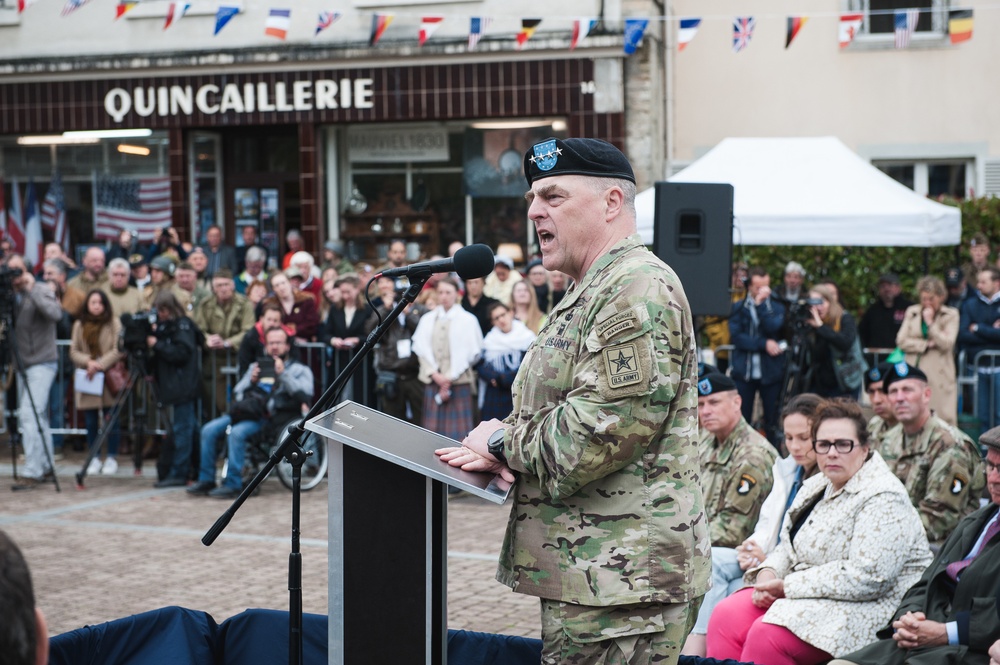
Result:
960,25
528,27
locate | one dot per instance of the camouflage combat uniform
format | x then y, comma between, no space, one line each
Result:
942,470
736,477
608,523
878,428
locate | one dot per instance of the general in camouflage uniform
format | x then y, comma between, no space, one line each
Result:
736,463
608,525
940,465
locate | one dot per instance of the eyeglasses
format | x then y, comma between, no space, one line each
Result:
990,466
843,446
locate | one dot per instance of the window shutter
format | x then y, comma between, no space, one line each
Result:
992,177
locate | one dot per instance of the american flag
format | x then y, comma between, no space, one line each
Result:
742,32
140,205
905,22
477,27
54,213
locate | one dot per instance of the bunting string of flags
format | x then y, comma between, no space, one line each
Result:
278,23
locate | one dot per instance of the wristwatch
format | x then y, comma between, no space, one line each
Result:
495,444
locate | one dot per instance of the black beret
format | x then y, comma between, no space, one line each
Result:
900,371
991,438
592,157
705,368
137,260
714,382
876,374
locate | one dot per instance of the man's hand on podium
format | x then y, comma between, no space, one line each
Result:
473,454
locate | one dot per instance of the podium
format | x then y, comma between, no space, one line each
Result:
388,554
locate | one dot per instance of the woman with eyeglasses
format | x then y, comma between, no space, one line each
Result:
851,545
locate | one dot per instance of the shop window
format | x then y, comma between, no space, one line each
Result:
931,178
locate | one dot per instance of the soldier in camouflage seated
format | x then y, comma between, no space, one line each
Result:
939,464
607,525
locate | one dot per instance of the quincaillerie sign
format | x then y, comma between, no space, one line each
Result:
213,98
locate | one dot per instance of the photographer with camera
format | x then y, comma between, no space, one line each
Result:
166,241
175,364
36,313
834,337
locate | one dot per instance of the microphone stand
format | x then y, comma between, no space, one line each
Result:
291,451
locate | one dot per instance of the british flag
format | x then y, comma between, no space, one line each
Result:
142,206
742,32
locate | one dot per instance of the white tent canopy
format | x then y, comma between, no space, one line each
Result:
812,191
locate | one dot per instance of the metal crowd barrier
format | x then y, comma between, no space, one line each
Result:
325,366
984,364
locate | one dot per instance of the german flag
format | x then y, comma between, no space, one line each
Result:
528,26
960,25
379,23
795,24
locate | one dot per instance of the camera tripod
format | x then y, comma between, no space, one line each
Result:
137,371
796,379
7,326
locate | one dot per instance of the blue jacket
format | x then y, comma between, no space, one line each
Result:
748,338
977,310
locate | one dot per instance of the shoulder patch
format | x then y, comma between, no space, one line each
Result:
617,324
747,483
622,365
958,484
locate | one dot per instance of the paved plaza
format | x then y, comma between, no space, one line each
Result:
120,547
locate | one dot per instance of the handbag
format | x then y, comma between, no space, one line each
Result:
253,406
116,378
849,366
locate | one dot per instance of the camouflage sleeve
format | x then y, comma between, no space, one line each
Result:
743,493
949,482
624,383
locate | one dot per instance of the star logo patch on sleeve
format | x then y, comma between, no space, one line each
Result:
622,365
747,483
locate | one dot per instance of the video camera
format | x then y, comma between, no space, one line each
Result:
135,329
7,277
800,310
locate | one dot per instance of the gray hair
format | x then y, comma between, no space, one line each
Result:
256,253
794,266
58,265
119,263
294,233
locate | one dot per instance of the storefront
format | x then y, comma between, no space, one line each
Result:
428,153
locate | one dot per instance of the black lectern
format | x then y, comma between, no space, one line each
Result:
388,536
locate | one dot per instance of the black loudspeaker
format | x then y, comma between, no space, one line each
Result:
693,234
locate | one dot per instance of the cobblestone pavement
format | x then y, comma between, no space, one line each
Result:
120,547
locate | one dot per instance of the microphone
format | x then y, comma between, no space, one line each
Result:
469,262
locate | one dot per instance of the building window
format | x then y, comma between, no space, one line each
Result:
879,23
935,179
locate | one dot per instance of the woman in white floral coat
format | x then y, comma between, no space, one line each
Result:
851,546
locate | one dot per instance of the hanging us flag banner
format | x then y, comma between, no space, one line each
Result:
278,22
140,205
528,27
477,28
223,16
428,24
124,8
960,25
742,32
686,31
849,26
905,23
795,24
54,212
175,10
71,6
635,28
325,20
581,28
379,23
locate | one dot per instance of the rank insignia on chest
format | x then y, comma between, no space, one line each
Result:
622,365
747,483
957,485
